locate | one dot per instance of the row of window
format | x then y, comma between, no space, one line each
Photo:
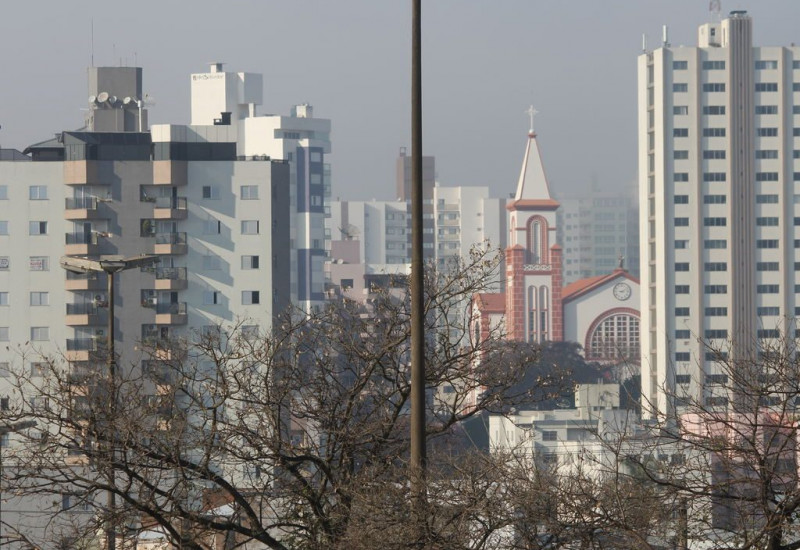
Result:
721,132
35,298
683,154
35,192
682,87
246,192
760,65
37,334
35,228
215,297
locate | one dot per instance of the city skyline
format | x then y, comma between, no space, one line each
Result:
482,69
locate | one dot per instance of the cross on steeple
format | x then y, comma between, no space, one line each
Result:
532,113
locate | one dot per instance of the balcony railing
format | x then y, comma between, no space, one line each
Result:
82,309
178,308
85,344
171,273
82,238
171,238
174,203
81,203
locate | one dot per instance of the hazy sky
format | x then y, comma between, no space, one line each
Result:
484,62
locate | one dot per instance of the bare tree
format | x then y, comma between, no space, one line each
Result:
293,438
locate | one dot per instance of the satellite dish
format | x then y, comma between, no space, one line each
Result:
102,97
349,231
112,99
126,100
92,98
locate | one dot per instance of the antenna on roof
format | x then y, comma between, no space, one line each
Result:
92,40
715,7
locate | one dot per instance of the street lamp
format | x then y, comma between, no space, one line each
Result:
110,265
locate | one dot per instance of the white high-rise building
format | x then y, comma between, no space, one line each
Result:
719,165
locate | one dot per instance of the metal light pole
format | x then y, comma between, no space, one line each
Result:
418,459
110,266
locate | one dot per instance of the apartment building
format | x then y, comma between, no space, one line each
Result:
719,182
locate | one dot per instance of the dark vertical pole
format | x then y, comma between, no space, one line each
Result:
111,535
417,277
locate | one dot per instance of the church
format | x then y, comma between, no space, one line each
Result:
600,313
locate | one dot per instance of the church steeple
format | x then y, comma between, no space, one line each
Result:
532,184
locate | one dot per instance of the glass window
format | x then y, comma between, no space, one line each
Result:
37,228
250,297
212,297
249,192
40,298
210,192
39,334
3,227
3,298
39,263
4,334
249,262
249,227
3,192
37,192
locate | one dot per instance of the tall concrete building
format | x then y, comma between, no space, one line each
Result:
403,184
719,177
595,229
220,97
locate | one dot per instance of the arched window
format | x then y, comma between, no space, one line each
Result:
532,309
537,241
614,337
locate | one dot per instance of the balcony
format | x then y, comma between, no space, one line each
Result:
82,172
81,244
171,314
84,314
170,208
170,172
84,281
84,208
84,349
171,278
171,243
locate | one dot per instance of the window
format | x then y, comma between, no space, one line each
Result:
249,227
679,65
769,310
681,266
683,334
767,289
249,192
717,379
680,176
39,263
766,64
796,132
250,297
210,192
37,192
715,243
714,87
768,221
767,243
681,222
715,222
212,227
681,289
3,298
716,333
715,199
680,110
681,199
682,379
212,297
37,228
713,132
682,356
714,176
549,435
680,154
713,109
680,87
683,243
681,311
715,266
766,86
767,154
716,312
766,176
768,333
249,262
3,227
716,289
40,334
249,332
766,109
680,132
713,65
3,192
766,199
767,132
767,266
40,298
714,154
